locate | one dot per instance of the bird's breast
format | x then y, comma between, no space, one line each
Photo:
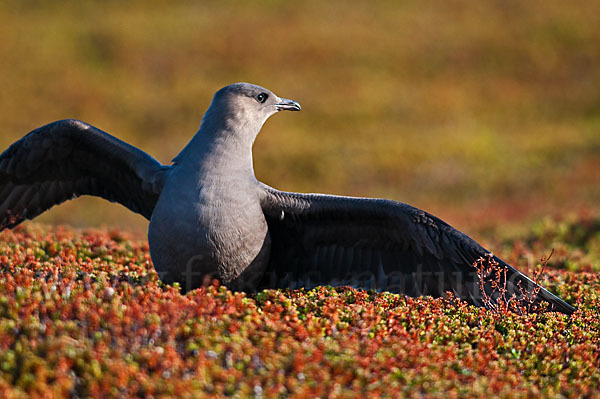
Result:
215,231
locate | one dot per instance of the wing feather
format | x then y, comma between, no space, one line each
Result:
372,243
67,159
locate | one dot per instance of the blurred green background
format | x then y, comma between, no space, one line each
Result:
483,113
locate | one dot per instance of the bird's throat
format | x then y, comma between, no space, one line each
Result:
220,154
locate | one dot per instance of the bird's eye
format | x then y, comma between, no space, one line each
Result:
262,97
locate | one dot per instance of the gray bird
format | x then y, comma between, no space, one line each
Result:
211,218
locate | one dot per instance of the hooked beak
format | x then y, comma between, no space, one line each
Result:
287,105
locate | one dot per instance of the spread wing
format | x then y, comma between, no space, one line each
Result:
375,244
67,159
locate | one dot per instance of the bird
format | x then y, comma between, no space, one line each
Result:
211,218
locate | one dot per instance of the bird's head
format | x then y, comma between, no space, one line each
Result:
245,104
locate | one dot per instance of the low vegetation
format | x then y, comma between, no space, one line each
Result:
82,313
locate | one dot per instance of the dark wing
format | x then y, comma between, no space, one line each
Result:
67,159
375,244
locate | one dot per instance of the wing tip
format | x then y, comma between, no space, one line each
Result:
557,304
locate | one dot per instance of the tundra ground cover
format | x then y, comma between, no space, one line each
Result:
82,313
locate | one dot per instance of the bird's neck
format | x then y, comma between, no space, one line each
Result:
220,148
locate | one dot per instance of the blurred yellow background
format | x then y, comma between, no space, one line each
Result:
479,112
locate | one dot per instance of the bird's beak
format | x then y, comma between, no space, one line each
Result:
287,105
